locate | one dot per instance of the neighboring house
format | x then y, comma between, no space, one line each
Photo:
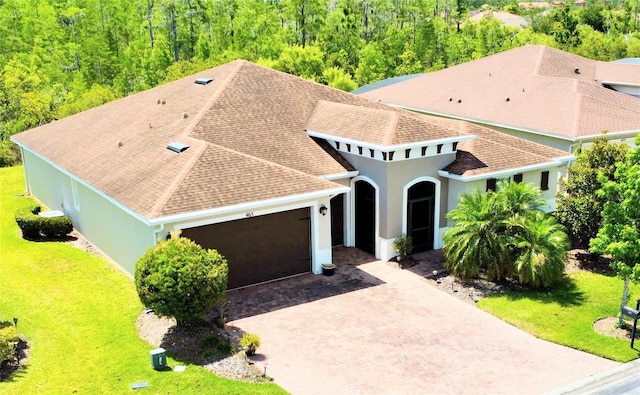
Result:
534,92
270,169
505,18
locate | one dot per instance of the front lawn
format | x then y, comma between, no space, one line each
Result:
566,314
78,314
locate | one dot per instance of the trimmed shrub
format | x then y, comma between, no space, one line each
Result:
178,278
34,226
403,246
216,345
8,335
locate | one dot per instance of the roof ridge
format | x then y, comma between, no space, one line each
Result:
541,54
392,127
173,187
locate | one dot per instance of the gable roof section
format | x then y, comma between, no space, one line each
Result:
532,88
494,153
376,126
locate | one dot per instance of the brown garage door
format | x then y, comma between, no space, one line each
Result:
260,248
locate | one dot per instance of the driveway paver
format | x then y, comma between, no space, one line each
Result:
375,329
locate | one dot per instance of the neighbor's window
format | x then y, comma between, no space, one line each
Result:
491,184
544,181
517,178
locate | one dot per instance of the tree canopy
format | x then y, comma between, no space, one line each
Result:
58,57
578,205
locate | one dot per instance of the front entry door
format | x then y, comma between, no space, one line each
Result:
420,213
365,221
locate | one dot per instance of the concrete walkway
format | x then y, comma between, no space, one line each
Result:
374,329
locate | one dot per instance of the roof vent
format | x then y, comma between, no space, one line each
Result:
177,147
203,80
577,71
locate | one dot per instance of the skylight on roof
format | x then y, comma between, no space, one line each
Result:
203,80
177,147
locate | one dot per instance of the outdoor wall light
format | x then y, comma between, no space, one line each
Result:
323,209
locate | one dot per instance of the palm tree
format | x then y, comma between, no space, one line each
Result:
474,242
506,234
521,199
539,249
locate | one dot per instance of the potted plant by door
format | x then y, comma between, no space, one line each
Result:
328,269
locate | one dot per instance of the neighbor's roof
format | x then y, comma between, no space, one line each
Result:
247,135
534,88
506,18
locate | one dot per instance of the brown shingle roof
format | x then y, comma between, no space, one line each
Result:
533,87
493,151
380,126
247,135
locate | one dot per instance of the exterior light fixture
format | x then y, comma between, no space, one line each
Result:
323,209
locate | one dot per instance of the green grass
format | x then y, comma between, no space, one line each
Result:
566,314
78,314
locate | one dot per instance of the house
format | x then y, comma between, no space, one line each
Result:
505,18
270,169
534,92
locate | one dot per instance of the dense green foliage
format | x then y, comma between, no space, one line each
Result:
34,226
619,235
58,58
505,234
178,278
566,313
78,316
578,206
8,335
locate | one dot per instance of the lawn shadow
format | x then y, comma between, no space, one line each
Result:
594,263
305,288
566,293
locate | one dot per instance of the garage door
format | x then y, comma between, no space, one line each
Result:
260,248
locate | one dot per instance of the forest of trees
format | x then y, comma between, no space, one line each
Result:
60,57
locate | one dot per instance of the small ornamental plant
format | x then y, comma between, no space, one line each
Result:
403,246
251,342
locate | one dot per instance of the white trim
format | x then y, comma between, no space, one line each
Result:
480,121
436,208
619,134
352,213
617,83
505,173
387,148
333,177
249,206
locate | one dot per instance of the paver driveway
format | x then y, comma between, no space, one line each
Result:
374,329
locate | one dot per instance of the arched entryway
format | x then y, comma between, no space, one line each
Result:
421,199
365,216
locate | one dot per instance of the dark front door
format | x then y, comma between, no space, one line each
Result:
420,215
365,213
261,248
337,220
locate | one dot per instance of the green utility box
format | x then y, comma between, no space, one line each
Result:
158,359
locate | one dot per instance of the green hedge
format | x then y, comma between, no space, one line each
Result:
8,335
34,226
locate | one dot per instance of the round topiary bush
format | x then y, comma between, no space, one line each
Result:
180,279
